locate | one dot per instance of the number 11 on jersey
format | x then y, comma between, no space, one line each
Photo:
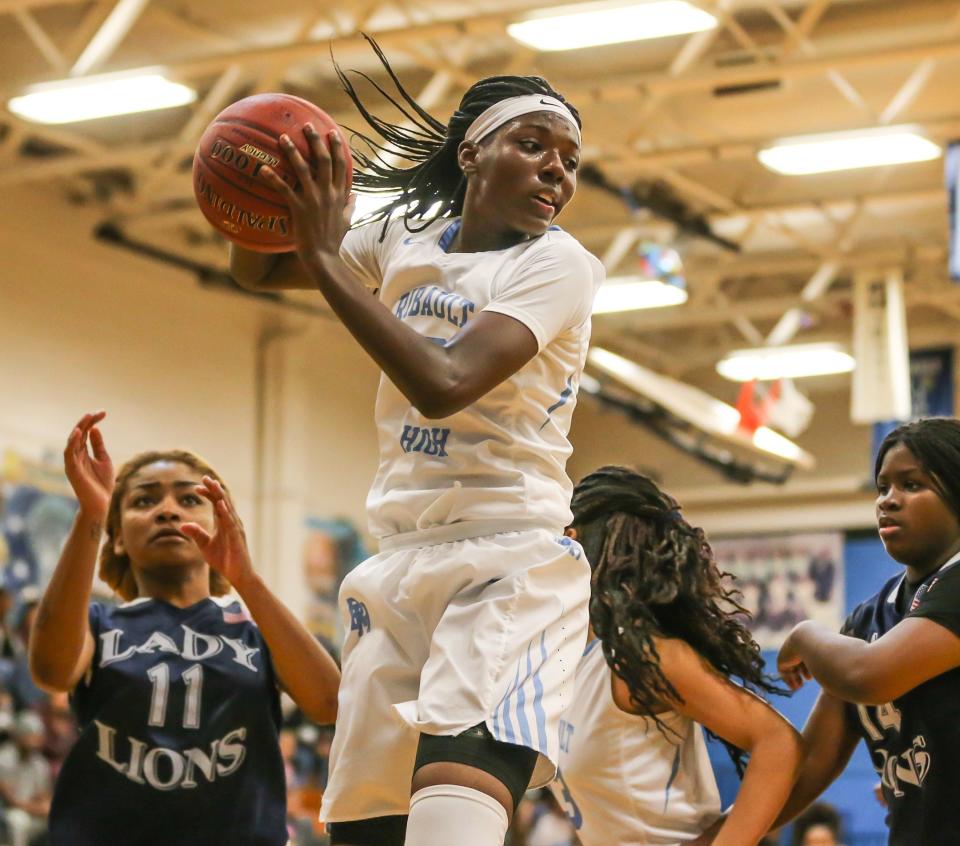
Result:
159,674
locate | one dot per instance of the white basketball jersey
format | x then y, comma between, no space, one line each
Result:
622,780
501,459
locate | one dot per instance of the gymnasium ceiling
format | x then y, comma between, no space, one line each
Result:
685,114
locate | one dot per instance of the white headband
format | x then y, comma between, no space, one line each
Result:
506,110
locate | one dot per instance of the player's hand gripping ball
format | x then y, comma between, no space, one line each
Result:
242,139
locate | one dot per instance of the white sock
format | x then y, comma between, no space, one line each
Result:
446,814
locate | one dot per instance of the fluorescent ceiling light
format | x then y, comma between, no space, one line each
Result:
790,362
593,24
629,294
697,407
67,101
848,151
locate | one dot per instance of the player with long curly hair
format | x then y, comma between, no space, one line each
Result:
668,653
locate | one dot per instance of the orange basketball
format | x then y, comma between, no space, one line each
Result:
242,139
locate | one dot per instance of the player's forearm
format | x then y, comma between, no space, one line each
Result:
828,743
811,783
62,627
305,669
267,271
767,782
426,373
255,271
839,663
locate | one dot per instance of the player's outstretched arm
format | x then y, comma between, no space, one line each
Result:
912,652
305,669
61,646
828,743
743,719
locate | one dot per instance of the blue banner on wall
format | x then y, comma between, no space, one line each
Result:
931,391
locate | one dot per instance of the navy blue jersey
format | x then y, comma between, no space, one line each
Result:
179,717
914,741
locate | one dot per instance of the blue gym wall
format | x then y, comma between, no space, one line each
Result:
866,568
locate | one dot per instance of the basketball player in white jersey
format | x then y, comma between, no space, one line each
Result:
658,665
465,631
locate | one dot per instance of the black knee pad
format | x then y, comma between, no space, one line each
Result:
377,831
511,764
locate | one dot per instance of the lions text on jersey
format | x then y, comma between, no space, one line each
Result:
179,715
914,741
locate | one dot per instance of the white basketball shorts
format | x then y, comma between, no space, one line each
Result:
444,636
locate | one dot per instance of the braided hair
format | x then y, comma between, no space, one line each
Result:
433,187
935,443
654,576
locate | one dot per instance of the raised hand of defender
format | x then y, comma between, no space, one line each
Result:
226,549
322,208
88,466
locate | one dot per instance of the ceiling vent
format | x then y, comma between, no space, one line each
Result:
743,58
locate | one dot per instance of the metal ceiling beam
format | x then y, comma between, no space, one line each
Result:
808,19
626,162
7,6
758,308
689,54
945,127
801,68
914,83
11,6
846,88
688,316
788,325
836,206
108,37
71,165
41,40
778,265
191,29
57,136
81,34
663,84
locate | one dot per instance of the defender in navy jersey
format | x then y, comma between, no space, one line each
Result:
914,740
892,677
177,690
